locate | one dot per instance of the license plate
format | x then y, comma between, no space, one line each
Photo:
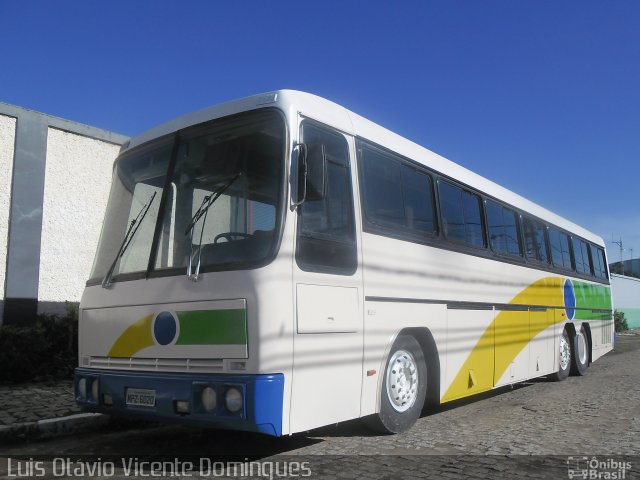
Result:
140,397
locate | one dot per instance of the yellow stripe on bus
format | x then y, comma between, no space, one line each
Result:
505,338
133,339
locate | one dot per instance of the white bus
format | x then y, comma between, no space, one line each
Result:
279,263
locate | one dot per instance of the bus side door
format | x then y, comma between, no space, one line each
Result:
328,337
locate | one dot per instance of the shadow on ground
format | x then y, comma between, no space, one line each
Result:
144,440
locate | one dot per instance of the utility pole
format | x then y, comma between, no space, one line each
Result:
619,243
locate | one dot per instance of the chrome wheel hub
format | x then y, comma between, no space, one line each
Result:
581,343
402,380
565,353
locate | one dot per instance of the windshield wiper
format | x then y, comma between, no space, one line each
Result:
207,201
106,282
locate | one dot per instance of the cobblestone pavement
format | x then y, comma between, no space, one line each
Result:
530,431
37,401
597,413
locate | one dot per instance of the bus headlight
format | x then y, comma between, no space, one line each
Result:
94,389
233,399
82,388
209,401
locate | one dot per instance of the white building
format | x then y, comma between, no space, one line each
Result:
54,182
626,298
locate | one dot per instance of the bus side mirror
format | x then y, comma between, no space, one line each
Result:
316,175
311,172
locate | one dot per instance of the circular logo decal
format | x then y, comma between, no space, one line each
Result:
569,299
165,328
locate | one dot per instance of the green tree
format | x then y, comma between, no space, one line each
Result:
621,321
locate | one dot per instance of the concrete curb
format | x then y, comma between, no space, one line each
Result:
52,427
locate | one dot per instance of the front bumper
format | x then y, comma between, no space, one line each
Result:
261,409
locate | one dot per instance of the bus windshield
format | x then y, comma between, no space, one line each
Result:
237,162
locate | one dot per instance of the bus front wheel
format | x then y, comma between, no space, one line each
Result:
404,387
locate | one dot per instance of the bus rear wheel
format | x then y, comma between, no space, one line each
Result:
404,388
564,362
580,353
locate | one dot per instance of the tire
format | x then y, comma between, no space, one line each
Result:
580,353
564,362
403,390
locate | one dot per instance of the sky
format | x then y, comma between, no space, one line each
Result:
540,96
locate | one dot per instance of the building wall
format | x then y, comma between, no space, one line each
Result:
626,298
632,268
7,144
76,187
55,176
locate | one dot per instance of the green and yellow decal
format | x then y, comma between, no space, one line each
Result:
545,303
197,327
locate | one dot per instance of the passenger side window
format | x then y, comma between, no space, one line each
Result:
560,254
326,229
503,229
599,263
461,215
534,240
396,197
581,256
417,189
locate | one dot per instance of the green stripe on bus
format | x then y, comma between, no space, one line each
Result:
592,297
213,327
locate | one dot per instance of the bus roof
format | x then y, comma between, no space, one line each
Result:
312,106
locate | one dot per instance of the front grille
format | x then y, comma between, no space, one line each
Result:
158,364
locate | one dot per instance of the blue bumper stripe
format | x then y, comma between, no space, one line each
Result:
262,394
